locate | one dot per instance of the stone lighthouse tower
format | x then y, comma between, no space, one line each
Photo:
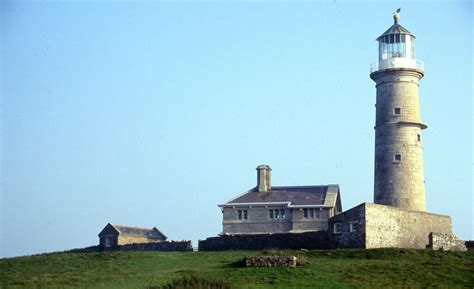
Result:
399,180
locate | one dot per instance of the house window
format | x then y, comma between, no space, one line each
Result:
337,228
397,158
312,213
397,111
108,242
353,226
277,214
242,214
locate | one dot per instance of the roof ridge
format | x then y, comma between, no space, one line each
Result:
300,186
134,227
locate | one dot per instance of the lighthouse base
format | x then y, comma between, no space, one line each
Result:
378,226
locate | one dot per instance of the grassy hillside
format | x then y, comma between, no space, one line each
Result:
319,269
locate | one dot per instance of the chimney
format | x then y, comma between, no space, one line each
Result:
264,179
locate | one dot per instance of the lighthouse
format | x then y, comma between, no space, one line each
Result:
398,178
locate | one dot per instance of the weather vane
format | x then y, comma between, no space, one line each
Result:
396,15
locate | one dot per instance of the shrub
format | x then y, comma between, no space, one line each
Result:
193,282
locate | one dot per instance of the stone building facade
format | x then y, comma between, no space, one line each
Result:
117,235
398,217
283,209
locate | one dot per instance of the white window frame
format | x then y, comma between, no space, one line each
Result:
337,228
242,214
353,226
274,214
395,111
312,213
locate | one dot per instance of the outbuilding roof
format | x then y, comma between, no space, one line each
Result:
134,231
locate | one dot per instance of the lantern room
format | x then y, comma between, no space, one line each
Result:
396,48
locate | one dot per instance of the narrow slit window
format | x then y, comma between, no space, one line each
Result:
418,137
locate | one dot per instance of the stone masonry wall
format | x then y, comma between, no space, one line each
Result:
348,236
123,240
379,226
447,242
309,240
258,221
387,226
398,183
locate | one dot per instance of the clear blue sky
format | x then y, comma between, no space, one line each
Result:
152,113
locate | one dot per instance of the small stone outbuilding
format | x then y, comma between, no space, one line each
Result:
116,235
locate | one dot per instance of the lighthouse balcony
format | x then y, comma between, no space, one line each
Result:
397,62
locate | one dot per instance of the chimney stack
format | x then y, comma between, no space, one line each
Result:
264,179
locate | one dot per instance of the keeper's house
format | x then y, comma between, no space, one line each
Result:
284,209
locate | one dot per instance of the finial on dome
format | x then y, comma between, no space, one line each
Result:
396,15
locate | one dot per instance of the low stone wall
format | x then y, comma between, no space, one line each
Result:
270,261
166,246
446,242
161,246
308,240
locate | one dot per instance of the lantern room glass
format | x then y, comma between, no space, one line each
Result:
396,46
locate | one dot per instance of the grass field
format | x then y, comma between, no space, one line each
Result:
390,268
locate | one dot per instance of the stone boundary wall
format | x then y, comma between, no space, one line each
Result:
270,261
166,246
161,246
308,240
446,242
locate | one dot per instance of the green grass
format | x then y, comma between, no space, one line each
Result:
390,268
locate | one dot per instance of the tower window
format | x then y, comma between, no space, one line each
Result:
397,111
418,137
397,158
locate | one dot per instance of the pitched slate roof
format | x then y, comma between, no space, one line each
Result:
293,195
137,231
